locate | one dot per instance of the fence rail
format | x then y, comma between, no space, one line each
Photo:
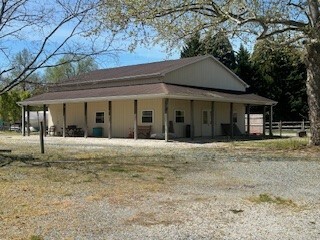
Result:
290,125
280,127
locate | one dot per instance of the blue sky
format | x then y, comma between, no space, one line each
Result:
140,55
152,54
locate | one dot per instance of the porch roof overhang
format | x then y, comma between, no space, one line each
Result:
146,91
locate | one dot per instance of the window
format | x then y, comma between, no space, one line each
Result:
179,116
99,117
147,116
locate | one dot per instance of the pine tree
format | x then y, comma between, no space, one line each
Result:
193,47
281,75
244,68
219,46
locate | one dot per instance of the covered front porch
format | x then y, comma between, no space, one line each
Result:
164,117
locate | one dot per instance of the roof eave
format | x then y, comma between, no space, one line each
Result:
222,99
90,99
150,96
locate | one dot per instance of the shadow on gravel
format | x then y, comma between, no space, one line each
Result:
227,139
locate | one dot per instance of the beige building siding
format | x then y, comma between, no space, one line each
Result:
199,129
180,105
75,114
122,118
197,108
156,106
93,108
205,73
55,116
222,115
240,109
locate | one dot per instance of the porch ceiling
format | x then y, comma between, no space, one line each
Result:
146,91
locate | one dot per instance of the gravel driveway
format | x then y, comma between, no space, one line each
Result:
192,191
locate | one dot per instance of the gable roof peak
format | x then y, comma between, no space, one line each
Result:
154,69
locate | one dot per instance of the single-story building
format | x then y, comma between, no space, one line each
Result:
189,97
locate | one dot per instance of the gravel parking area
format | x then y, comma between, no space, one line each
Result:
149,189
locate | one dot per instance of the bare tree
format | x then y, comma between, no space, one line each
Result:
48,30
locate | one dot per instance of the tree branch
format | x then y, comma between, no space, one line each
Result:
75,14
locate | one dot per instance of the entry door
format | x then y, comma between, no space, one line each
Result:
206,123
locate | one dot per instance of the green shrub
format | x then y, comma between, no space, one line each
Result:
36,237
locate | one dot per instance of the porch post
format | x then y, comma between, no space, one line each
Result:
23,121
166,127
248,119
109,119
28,120
44,120
192,120
264,121
64,123
212,119
270,120
135,125
231,120
85,119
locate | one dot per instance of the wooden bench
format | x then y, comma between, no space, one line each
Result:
74,131
144,131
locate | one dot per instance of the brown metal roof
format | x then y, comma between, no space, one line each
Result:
154,69
146,91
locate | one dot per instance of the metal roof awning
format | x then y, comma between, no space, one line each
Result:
146,91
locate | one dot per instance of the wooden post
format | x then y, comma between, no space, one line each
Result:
45,120
280,128
135,125
192,119
64,121
231,120
85,119
248,119
28,120
41,138
270,121
23,121
264,121
109,119
212,119
166,122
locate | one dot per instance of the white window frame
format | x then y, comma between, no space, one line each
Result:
147,110
95,117
209,117
175,116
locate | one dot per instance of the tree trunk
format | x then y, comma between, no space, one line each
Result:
313,91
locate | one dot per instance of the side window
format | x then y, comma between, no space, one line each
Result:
147,116
99,117
179,116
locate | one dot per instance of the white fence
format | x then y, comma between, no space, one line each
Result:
288,127
278,128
